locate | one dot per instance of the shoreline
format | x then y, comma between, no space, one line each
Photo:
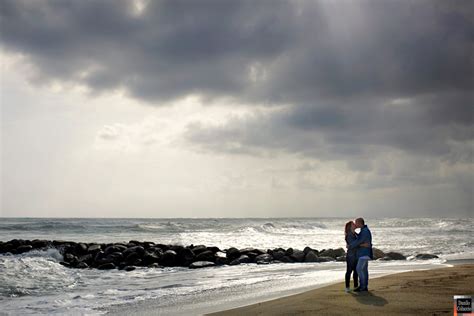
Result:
232,298
420,292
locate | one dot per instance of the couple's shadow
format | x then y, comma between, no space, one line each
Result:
369,298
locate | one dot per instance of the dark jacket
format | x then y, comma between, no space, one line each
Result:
351,237
364,236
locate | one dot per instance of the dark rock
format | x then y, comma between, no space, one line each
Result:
308,249
169,258
341,258
384,259
99,255
106,266
37,244
8,247
64,263
177,248
70,258
201,264
222,260
121,265
150,258
115,248
425,256
298,255
162,247
378,254
152,265
60,242
129,268
114,257
255,251
24,248
137,249
198,249
213,249
311,257
187,255
333,253
94,248
85,259
132,257
232,253
157,251
234,262
82,265
394,256
68,249
81,248
244,259
3,247
104,261
263,258
289,252
206,256
252,255
17,242
277,255
149,244
286,259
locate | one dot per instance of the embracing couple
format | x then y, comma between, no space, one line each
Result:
359,252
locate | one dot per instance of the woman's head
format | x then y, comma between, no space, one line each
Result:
349,228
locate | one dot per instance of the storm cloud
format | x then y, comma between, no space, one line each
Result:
265,51
339,80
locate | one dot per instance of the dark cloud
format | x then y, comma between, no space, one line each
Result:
356,75
356,133
302,50
173,48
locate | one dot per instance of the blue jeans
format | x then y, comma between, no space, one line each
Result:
363,272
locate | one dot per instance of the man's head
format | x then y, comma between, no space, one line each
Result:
359,222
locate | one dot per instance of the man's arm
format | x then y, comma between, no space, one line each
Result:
362,238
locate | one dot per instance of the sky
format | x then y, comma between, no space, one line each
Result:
236,108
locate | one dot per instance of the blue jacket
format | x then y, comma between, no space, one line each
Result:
349,239
364,236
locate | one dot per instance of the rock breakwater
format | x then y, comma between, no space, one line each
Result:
126,256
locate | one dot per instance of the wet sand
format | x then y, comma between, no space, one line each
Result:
428,292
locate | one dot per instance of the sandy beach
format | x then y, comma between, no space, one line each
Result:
428,292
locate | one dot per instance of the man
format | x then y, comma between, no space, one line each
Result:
364,254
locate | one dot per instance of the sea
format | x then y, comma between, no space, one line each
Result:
35,282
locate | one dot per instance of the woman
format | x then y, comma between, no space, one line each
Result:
351,255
